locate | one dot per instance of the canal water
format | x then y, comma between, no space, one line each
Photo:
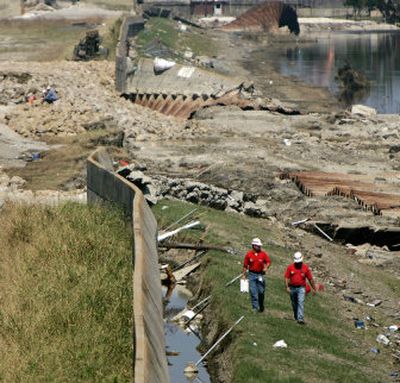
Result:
377,55
180,341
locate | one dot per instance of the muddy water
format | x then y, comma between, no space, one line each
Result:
181,341
377,55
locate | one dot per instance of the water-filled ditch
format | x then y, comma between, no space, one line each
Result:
181,342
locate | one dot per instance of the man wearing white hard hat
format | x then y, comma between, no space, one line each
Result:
296,276
257,263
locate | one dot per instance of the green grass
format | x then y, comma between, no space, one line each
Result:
66,299
327,349
167,33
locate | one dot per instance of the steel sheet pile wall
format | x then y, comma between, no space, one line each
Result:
150,362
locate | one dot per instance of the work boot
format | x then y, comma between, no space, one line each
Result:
300,321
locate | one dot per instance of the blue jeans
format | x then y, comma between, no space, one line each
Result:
297,296
257,290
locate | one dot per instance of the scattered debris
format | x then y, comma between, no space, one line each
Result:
322,232
219,340
374,303
352,299
393,328
359,324
181,219
163,236
382,339
182,273
191,370
161,65
192,246
198,255
296,223
374,350
280,344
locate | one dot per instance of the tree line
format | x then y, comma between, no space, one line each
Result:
390,9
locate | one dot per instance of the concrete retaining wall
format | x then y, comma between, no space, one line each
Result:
150,363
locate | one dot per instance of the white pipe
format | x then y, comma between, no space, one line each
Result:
168,234
218,341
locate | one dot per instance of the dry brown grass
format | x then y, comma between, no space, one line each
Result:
65,304
63,164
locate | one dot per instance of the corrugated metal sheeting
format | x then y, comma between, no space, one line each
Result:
378,198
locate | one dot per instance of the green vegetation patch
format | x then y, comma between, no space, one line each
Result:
66,299
165,33
327,349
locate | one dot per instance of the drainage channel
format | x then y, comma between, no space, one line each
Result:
181,343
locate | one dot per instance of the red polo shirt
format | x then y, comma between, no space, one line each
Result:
297,277
255,261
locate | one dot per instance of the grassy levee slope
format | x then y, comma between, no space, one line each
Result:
326,349
162,32
66,299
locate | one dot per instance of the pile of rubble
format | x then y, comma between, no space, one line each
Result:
83,105
157,187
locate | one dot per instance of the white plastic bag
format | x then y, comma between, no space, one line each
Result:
244,285
280,344
161,65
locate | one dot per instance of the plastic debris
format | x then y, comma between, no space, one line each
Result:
168,234
359,324
161,65
287,142
393,328
374,350
374,303
383,339
189,314
280,344
191,369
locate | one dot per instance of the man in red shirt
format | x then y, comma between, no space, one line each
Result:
296,276
257,263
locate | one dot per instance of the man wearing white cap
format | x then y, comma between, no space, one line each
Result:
257,262
296,276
